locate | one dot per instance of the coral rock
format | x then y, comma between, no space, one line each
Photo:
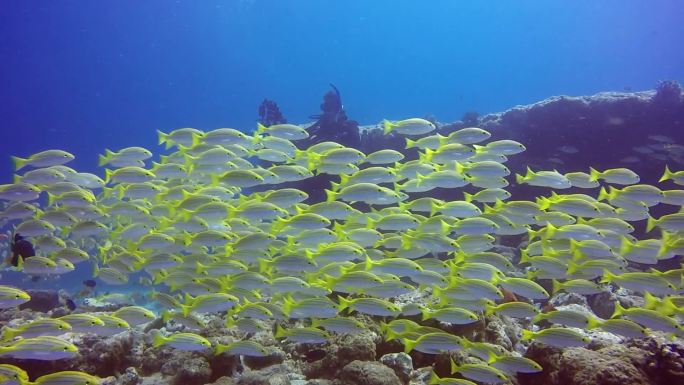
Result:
341,351
367,373
130,377
652,360
282,374
401,363
194,371
42,300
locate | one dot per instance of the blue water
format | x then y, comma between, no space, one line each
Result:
83,76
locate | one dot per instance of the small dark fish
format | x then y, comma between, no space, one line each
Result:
548,308
21,248
508,296
314,355
70,304
89,283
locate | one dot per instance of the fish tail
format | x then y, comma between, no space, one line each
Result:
524,256
650,301
603,194
489,309
527,335
387,126
668,307
166,315
663,250
429,154
368,264
261,128
619,310
7,333
539,317
532,234
454,368
434,208
556,286
220,348
195,139
330,195
544,203
410,143
19,163
263,265
405,242
608,276
108,175
344,303
467,197
288,302
313,160
519,179
409,345
594,174
550,231
434,379
626,245
425,313
185,309
158,339
651,223
280,332
164,139
667,175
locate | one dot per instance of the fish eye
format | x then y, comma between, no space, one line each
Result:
17,296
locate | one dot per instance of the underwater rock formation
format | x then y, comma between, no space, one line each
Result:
42,300
653,360
367,373
401,363
583,121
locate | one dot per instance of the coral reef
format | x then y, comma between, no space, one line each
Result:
269,113
368,358
42,300
647,361
582,121
367,373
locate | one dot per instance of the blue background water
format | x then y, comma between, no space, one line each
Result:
85,75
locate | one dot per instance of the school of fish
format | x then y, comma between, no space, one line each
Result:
212,220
